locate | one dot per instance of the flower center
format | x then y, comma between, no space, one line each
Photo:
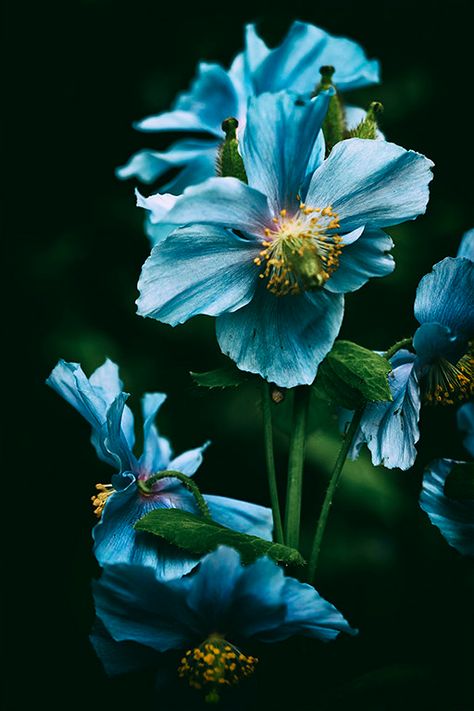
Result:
214,664
445,383
301,252
98,500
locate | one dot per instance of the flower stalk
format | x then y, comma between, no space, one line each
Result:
270,463
295,466
333,482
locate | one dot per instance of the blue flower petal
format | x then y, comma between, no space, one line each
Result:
366,257
391,428
106,381
197,270
453,517
432,341
121,657
278,143
211,98
241,516
111,437
134,606
372,183
466,248
148,165
117,542
308,614
295,64
446,296
225,202
466,424
156,450
255,50
283,339
189,462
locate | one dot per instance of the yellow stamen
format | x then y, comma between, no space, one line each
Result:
215,663
446,383
99,500
302,251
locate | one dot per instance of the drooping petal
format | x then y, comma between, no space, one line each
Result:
391,428
466,424
366,257
134,606
296,62
278,143
224,202
156,450
308,614
92,398
453,517
241,516
121,657
149,165
197,270
117,542
283,339
433,340
466,248
372,183
446,296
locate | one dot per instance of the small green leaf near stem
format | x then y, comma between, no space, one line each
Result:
295,466
270,462
333,482
146,487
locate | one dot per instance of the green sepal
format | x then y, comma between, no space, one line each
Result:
351,375
368,127
229,163
200,536
460,482
229,376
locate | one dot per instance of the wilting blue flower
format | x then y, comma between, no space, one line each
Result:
272,259
453,517
101,401
441,371
217,93
220,605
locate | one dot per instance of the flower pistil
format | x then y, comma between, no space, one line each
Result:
301,252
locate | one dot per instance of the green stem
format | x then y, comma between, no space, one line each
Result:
295,466
146,487
270,462
404,343
333,482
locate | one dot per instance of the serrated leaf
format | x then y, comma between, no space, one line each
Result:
229,376
351,375
200,536
460,482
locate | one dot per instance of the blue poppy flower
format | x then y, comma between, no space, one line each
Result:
453,517
440,372
101,401
205,615
272,259
217,93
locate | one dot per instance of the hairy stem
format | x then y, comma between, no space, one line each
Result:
270,462
146,487
295,466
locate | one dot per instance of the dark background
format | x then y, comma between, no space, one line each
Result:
78,74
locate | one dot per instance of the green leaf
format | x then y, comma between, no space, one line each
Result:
229,376
460,482
200,536
351,375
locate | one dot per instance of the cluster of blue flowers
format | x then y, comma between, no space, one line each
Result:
265,229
